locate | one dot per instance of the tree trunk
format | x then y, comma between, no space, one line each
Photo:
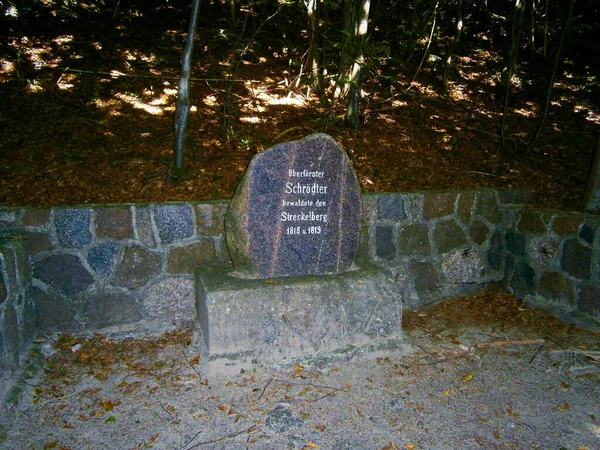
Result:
352,119
533,11
314,51
546,27
412,31
591,198
565,32
452,47
182,109
348,53
510,68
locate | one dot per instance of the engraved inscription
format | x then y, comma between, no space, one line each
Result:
307,222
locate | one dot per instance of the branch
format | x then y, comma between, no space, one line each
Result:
509,343
427,48
252,429
283,133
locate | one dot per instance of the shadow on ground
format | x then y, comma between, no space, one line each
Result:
502,376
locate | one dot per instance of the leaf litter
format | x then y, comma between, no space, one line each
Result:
502,376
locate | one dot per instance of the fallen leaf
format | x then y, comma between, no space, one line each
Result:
111,419
468,377
107,405
196,360
564,407
153,440
310,444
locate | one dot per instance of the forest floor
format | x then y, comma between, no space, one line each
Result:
503,376
87,117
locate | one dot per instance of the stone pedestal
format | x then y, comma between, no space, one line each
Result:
242,322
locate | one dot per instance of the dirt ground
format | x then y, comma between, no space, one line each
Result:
503,376
87,114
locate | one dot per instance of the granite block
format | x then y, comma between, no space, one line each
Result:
516,243
114,223
104,309
102,258
55,313
588,300
384,243
414,240
170,300
542,249
531,222
424,275
143,226
296,211
390,207
479,232
465,206
73,227
576,259
136,268
37,242
463,266
185,259
64,273
35,217
281,319
568,224
523,279
496,251
438,205
448,235
210,218
556,286
487,207
174,222
587,233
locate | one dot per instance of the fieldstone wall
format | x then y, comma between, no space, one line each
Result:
440,244
130,268
553,260
17,309
118,267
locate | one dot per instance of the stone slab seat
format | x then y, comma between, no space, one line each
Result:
242,322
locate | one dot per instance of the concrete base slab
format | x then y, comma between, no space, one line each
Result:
243,322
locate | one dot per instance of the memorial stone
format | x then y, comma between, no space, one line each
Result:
295,212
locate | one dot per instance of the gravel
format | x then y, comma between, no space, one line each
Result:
462,387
